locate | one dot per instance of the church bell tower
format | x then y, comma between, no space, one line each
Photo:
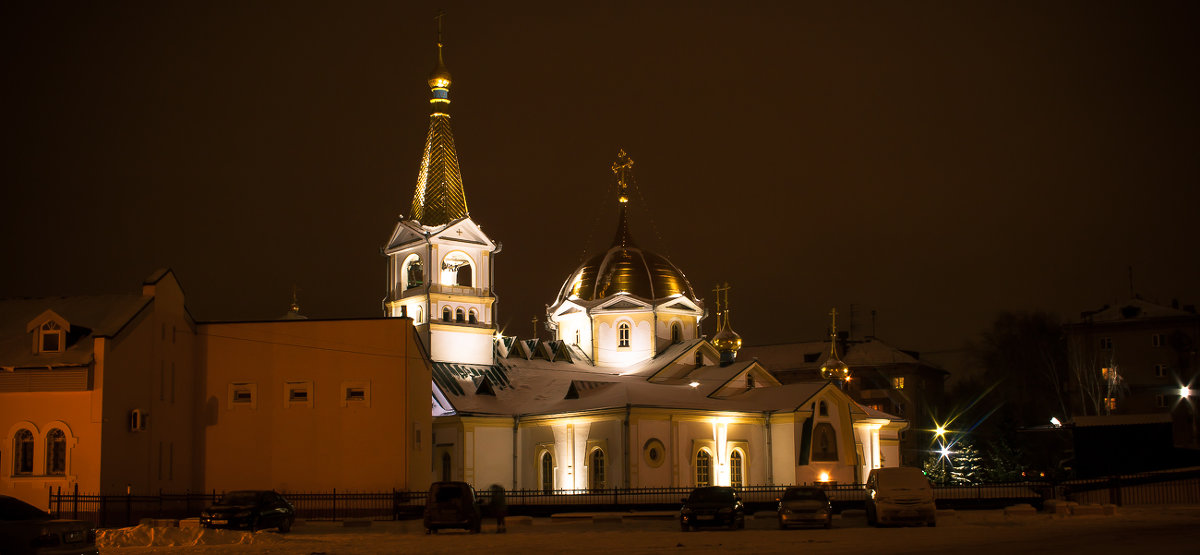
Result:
439,260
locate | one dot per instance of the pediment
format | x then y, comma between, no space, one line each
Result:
682,304
406,234
463,231
48,316
685,363
754,376
624,302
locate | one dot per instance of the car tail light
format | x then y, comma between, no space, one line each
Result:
45,540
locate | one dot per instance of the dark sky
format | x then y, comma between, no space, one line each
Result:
935,162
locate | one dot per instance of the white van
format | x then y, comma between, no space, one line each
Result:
899,495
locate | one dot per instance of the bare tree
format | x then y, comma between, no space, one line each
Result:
1097,378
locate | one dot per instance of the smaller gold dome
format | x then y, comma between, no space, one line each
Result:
726,340
440,78
835,369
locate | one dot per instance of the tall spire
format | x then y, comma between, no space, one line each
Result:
623,168
439,197
726,340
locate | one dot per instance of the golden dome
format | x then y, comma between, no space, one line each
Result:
835,369
440,78
727,340
626,269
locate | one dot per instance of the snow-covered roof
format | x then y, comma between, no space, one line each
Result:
787,356
89,317
1134,310
529,387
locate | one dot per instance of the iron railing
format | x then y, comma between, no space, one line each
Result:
1174,487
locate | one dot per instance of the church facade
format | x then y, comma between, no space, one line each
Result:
628,393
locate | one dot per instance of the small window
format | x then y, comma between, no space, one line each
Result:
1110,403
51,338
623,335
243,395
1158,340
56,452
1161,401
472,318
699,358
898,382
23,453
297,394
1160,370
736,476
1106,343
446,314
824,409
596,470
547,472
676,332
459,316
703,468
577,342
356,394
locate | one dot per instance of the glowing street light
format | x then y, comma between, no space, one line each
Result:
1185,391
940,431
1055,422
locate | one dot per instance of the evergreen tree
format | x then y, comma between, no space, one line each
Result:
966,464
1004,462
936,469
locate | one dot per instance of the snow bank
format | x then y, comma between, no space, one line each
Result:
152,536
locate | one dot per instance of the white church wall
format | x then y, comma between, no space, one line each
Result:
651,432
460,346
532,439
641,343
493,455
784,454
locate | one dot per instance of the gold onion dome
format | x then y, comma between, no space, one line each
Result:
726,340
834,368
625,268
440,78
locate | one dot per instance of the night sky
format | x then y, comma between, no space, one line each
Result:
934,162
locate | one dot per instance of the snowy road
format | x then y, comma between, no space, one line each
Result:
975,532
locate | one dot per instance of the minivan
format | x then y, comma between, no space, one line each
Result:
899,495
451,505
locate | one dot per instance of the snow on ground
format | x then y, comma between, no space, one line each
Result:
1133,529
143,535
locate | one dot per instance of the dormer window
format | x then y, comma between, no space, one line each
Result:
52,338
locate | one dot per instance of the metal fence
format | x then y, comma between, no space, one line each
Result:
1180,487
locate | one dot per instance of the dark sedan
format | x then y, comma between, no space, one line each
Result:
250,510
805,505
712,506
28,529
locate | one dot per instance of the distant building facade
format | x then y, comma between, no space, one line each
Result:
1137,357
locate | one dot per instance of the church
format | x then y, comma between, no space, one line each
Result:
628,393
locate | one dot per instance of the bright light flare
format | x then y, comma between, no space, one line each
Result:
824,477
1185,392
940,431
695,384
945,452
1055,422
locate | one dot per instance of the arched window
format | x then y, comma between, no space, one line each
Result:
458,316
824,447
456,270
472,318
703,468
56,452
547,472
446,314
699,358
596,469
419,314
824,409
676,332
623,334
52,338
736,470
446,475
577,337
414,272
23,453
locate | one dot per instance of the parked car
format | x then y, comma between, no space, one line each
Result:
28,529
451,505
899,495
805,505
250,510
712,506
